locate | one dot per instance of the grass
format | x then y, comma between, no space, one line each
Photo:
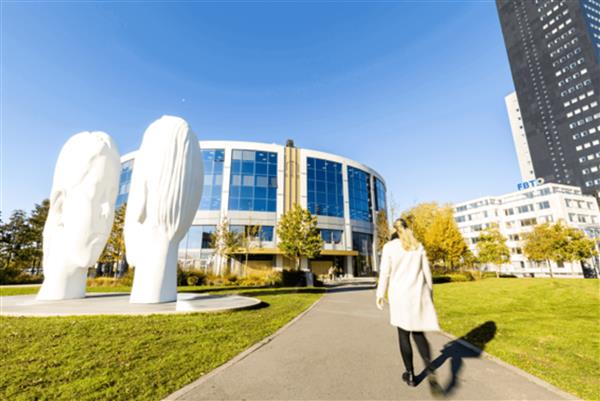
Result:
132,357
547,327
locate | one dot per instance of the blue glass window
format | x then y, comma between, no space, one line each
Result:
194,247
197,237
264,233
359,190
331,236
124,182
253,181
214,159
325,187
380,203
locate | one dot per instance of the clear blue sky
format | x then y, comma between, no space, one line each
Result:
413,89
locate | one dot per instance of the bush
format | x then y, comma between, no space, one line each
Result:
14,275
452,278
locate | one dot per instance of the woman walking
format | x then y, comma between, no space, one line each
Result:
404,273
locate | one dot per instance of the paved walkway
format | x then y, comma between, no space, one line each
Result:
345,349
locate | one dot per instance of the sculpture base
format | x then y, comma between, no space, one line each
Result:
118,304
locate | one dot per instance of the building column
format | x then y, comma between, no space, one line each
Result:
349,271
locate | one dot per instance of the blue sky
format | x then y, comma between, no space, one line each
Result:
413,89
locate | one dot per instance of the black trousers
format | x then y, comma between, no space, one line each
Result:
406,348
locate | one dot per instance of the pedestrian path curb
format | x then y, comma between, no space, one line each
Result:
512,368
241,356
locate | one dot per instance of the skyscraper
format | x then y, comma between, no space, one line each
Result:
554,52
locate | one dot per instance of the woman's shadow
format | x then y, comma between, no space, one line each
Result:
456,352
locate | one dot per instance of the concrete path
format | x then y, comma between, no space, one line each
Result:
345,349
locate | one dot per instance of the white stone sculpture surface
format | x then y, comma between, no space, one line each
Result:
82,206
165,191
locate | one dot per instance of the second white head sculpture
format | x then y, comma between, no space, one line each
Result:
84,190
165,191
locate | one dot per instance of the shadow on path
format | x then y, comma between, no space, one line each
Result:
351,288
456,352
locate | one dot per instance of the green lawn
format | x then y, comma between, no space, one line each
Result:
131,357
549,328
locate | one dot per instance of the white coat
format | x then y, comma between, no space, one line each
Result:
407,278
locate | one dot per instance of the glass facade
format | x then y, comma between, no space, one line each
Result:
363,263
263,233
359,190
214,159
380,203
331,236
194,248
124,181
253,181
325,187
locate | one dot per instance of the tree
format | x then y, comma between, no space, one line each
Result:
492,248
382,229
250,238
114,251
37,221
557,243
298,235
420,218
435,228
445,242
17,240
540,243
225,243
574,246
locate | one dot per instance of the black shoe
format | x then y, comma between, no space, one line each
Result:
409,378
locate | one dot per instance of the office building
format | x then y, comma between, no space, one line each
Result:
554,52
252,184
516,213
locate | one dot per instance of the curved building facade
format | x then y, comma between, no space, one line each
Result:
253,184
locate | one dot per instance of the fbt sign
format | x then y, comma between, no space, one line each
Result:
530,184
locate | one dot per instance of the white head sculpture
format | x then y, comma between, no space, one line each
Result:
165,191
82,205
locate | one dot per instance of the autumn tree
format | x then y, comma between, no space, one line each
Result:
435,228
557,243
298,235
382,229
492,248
445,241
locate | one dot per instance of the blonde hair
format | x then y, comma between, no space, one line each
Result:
405,235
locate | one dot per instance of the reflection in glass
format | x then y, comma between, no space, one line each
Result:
359,191
253,181
325,187
214,159
124,181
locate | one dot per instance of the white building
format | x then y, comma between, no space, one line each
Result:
253,184
519,137
516,213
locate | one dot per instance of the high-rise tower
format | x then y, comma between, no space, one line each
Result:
554,52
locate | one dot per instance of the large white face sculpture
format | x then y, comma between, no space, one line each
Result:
84,190
165,191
